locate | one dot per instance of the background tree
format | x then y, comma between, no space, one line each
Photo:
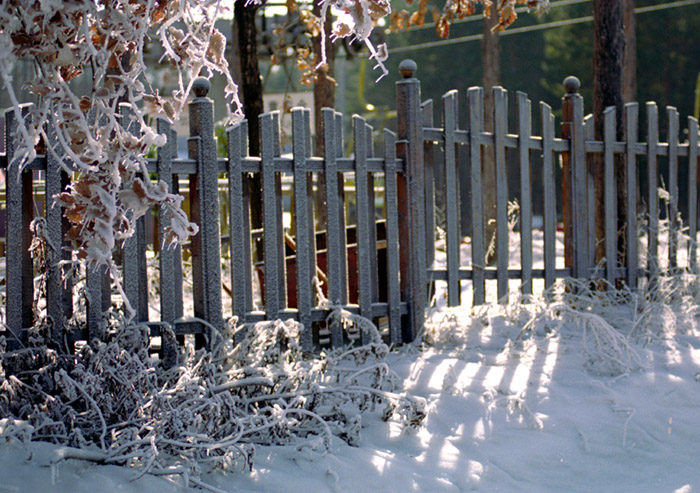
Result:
608,54
491,63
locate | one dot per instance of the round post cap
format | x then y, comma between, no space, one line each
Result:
572,84
408,68
201,87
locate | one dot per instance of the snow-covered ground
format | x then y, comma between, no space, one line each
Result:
521,398
505,413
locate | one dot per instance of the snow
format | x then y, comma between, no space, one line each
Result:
506,413
519,397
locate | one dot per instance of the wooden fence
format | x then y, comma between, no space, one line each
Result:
387,284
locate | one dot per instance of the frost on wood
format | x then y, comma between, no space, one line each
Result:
103,135
209,412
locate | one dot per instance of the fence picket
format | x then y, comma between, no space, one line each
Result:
167,253
589,132
579,190
450,118
500,119
631,117
525,131
372,215
429,163
364,244
693,192
279,211
59,285
134,269
550,201
19,289
336,253
674,225
304,225
239,223
273,247
653,195
476,121
610,195
392,237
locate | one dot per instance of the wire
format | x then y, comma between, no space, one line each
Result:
538,27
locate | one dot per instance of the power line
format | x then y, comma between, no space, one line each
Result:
538,27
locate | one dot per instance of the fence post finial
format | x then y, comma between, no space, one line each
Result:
200,87
572,84
408,68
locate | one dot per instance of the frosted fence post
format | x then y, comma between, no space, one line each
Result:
411,190
19,289
204,200
571,85
575,170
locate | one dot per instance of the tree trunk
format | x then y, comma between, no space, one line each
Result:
491,59
629,64
608,50
251,93
324,97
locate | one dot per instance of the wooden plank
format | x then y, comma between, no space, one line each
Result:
610,195
206,246
653,194
476,119
271,235
133,254
525,131
579,169
674,224
550,201
337,255
428,159
500,118
631,135
239,223
450,118
59,285
281,264
693,193
19,289
339,153
304,232
177,254
364,262
392,237
589,132
166,255
96,285
409,130
372,215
